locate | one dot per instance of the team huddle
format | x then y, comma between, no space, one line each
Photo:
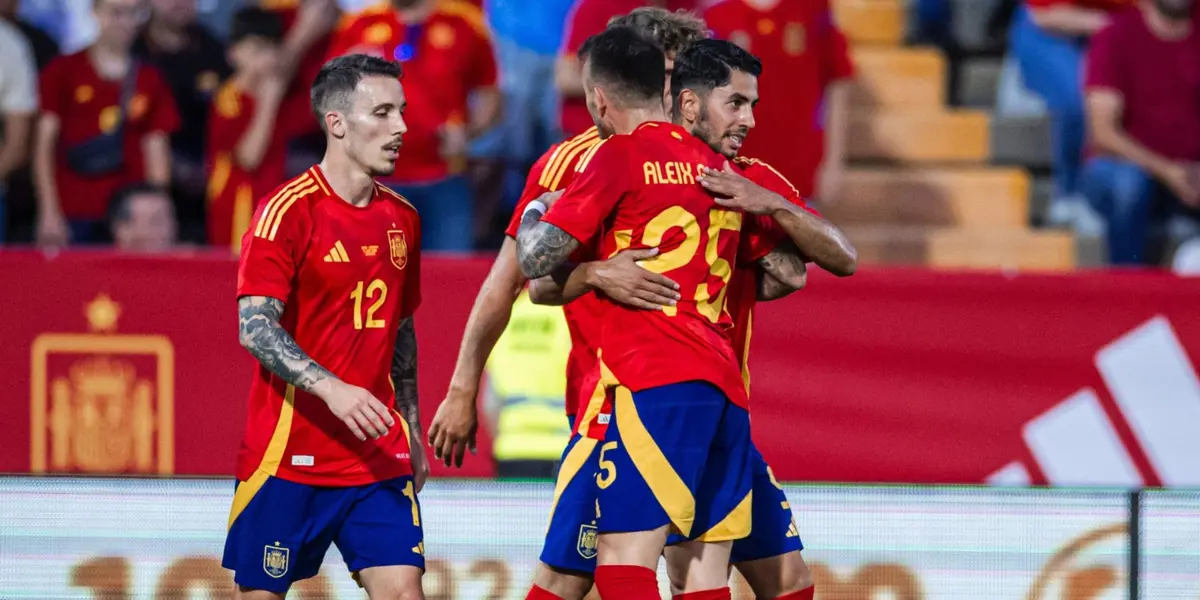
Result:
655,237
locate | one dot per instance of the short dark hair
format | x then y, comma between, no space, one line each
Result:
629,64
673,31
254,21
337,79
118,205
709,64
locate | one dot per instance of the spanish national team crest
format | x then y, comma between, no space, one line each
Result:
102,402
588,539
275,560
398,247
794,39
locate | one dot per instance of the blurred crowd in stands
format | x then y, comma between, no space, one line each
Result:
161,124
158,123
1120,83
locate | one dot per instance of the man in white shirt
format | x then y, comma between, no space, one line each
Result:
18,105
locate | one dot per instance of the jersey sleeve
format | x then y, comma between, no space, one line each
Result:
1103,67
228,118
835,50
273,247
412,281
533,190
593,195
760,235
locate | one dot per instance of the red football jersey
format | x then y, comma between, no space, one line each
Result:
802,52
87,105
232,189
642,188
553,171
347,276
451,57
743,286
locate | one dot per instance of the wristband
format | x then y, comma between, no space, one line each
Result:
534,205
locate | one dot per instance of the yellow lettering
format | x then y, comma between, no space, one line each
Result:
689,176
672,169
649,173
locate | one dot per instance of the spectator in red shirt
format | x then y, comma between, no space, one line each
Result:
1048,39
105,123
247,150
1143,99
450,85
806,70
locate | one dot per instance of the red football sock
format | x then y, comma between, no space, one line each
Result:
804,594
625,582
719,594
537,593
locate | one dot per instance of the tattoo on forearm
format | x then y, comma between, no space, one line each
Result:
404,374
541,247
260,333
786,266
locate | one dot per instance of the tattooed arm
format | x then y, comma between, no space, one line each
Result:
542,247
260,332
404,376
781,272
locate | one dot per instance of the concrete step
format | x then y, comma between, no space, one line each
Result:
978,81
1021,141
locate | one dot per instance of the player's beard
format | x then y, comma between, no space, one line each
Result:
704,130
1176,10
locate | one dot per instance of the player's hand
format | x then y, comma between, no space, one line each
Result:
420,461
624,280
454,427
364,414
730,189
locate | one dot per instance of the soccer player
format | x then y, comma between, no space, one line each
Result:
327,286
678,453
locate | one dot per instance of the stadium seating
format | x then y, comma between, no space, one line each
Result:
923,186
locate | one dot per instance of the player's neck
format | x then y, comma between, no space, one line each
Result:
349,182
624,124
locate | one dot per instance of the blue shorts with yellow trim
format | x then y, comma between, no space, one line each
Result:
571,536
676,455
280,530
774,532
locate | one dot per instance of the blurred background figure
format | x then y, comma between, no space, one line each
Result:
526,391
18,107
1143,100
142,219
192,61
105,122
1049,39
450,85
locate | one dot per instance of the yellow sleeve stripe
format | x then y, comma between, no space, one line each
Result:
268,225
581,152
393,193
587,158
567,151
273,203
755,161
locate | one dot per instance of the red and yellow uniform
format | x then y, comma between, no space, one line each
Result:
1105,5
88,105
445,58
347,277
554,171
802,52
231,188
680,434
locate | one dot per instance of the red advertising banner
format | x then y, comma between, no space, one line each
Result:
122,364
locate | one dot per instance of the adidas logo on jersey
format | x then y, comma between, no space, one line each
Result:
1156,393
337,253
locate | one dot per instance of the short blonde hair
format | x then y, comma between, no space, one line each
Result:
673,31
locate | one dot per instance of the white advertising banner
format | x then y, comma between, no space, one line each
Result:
157,539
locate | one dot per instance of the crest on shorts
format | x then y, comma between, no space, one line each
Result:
398,247
586,546
275,560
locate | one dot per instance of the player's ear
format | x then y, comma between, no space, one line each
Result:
335,125
689,105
